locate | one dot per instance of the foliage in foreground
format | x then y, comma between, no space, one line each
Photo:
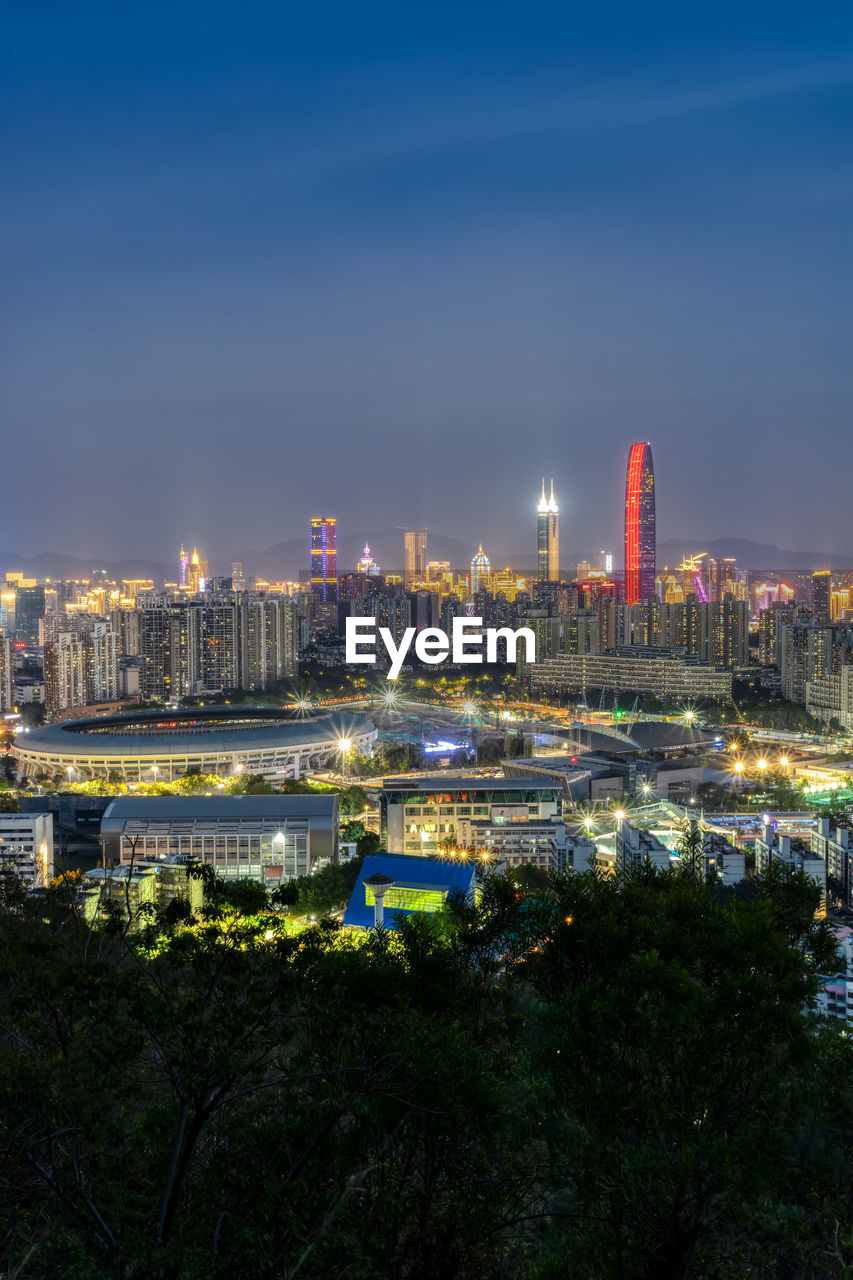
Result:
605,1079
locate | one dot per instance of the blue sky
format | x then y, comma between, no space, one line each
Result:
395,262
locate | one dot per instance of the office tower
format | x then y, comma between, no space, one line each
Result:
196,573
29,610
414,544
722,577
238,581
547,537
7,673
640,525
605,562
183,567
480,570
821,592
324,559
583,570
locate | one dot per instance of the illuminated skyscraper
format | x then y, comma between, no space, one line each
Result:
195,575
324,559
367,565
640,525
415,541
480,570
548,537
183,566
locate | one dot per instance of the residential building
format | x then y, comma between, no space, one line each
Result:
835,846
793,853
26,847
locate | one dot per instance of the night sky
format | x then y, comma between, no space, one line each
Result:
395,262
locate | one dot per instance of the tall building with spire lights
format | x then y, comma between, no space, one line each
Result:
640,525
480,571
324,558
548,537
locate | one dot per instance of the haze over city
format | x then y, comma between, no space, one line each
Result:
374,260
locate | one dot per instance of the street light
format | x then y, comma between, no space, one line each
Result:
619,815
762,764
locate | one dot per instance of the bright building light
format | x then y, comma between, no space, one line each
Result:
762,764
619,815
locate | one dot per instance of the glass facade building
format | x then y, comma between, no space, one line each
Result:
324,559
640,525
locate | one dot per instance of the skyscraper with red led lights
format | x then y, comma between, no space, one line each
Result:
640,525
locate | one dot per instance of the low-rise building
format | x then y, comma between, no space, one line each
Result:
128,888
422,815
544,843
791,852
26,847
835,847
409,886
667,678
267,838
636,847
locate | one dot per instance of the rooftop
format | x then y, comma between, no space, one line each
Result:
186,807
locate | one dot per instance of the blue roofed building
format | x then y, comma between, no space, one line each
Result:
418,886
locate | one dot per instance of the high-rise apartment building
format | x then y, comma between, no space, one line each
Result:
548,537
7,673
324,559
81,668
219,646
268,642
640,543
414,546
170,649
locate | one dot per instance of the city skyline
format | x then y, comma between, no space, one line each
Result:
438,250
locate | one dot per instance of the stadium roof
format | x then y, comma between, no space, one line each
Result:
93,737
321,804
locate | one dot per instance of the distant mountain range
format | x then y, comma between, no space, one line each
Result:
288,559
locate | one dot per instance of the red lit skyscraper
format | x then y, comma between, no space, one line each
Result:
640,525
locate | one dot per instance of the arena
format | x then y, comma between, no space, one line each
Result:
152,746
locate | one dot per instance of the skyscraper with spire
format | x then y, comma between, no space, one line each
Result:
548,537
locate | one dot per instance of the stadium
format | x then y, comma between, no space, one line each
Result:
161,746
